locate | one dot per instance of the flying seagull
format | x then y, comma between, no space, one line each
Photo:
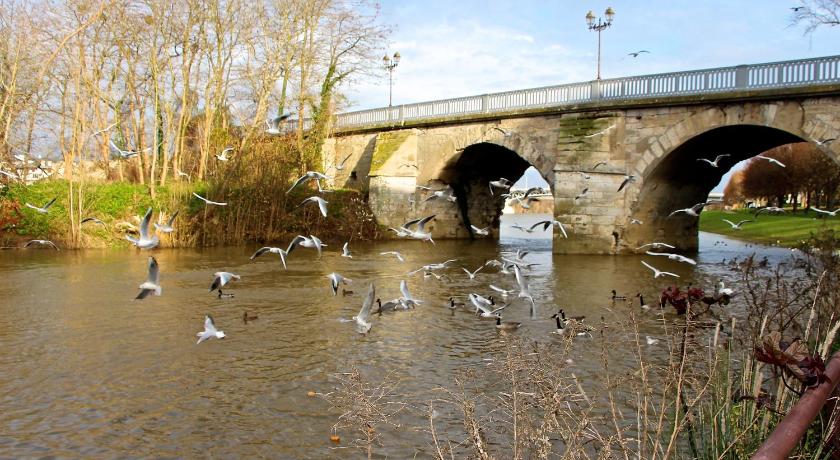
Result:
480,231
503,292
657,273
92,219
167,227
210,331
120,153
485,306
220,279
692,211
152,283
430,267
526,200
208,201
420,233
635,222
771,160
340,166
600,163
337,280
444,194
769,209
394,253
401,232
310,175
524,290
273,124
473,273
603,131
549,223
407,298
362,320
825,142
42,243
676,257
716,162
282,253
582,193
828,213
103,130
524,229
46,173
322,203
627,180
738,225
502,183
44,209
345,251
223,156
311,242
636,54
182,174
656,245
504,132
145,241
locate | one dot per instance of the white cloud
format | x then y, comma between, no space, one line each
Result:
466,58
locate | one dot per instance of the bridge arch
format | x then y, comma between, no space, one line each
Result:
672,178
469,174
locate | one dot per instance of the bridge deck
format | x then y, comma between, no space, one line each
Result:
743,81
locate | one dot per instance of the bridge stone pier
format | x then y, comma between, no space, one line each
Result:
652,127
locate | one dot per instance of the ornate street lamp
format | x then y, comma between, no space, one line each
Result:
390,65
609,14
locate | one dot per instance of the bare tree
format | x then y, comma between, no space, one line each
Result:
817,13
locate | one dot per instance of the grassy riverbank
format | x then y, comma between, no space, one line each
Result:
789,229
119,205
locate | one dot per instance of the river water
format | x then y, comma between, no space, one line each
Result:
85,371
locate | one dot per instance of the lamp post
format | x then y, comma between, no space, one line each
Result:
390,65
609,14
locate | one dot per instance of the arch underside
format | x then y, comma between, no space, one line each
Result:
681,181
470,173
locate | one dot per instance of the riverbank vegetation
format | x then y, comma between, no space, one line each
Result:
132,97
790,229
266,214
730,372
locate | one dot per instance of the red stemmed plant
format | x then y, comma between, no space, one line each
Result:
678,299
792,357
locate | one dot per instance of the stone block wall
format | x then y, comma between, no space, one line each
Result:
659,144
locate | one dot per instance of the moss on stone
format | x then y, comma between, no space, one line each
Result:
387,144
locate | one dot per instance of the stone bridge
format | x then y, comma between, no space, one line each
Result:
653,127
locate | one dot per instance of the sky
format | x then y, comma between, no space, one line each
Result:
467,47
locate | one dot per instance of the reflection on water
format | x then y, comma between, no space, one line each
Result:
88,372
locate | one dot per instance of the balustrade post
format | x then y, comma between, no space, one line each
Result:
815,76
485,103
595,90
402,115
741,76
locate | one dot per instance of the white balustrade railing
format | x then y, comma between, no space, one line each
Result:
786,74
